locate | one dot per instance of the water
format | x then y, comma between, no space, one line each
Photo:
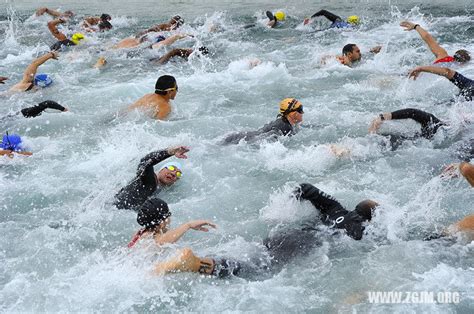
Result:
64,246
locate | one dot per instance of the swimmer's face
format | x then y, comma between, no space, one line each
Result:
173,92
167,177
296,116
355,55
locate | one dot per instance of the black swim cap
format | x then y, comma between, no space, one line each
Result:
164,84
105,25
105,17
152,213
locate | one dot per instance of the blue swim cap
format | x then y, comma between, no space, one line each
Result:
43,80
11,142
159,38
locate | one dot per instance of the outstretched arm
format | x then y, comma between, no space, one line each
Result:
435,48
330,16
52,26
174,235
169,41
446,72
328,206
184,53
35,111
467,170
30,72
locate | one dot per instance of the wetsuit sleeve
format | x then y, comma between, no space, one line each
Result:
464,84
328,206
37,110
145,168
429,123
330,16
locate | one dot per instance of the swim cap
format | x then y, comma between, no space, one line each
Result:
43,80
159,38
176,164
105,17
288,105
152,213
11,142
280,15
76,38
353,19
165,83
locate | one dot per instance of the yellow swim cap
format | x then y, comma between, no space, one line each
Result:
353,19
280,15
76,38
288,105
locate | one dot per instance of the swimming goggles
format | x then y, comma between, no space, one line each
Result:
173,168
168,89
291,105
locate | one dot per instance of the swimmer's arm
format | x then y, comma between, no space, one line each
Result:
169,41
38,109
30,72
52,26
446,72
10,154
146,163
435,48
174,53
467,170
174,235
377,122
53,13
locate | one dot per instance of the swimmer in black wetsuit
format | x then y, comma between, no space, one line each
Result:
465,85
291,113
284,246
337,21
37,110
63,41
147,181
429,124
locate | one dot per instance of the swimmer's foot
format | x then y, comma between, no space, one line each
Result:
101,62
185,261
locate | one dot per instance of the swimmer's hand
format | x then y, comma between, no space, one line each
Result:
3,79
61,20
450,171
409,26
54,55
376,49
415,72
179,151
306,21
375,125
200,225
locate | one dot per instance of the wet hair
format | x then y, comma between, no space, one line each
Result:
365,208
462,56
203,50
152,213
105,25
105,17
163,83
348,48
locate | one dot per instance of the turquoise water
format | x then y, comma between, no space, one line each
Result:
64,246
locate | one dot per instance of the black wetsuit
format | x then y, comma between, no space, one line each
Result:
144,184
59,45
465,85
289,244
279,127
37,110
330,16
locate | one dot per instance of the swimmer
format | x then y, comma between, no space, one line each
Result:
158,104
12,143
337,21
284,246
30,79
54,13
102,21
173,24
291,114
156,41
63,41
147,182
179,52
441,55
275,18
465,85
351,54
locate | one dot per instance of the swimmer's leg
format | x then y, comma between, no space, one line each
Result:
467,170
186,261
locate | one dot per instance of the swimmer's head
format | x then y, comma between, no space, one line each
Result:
203,50
158,38
68,13
291,107
105,17
43,80
366,208
166,85
280,15
105,25
152,213
352,52
353,19
77,37
169,173
462,56
11,142
176,21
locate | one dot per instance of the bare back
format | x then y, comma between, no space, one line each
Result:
156,105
